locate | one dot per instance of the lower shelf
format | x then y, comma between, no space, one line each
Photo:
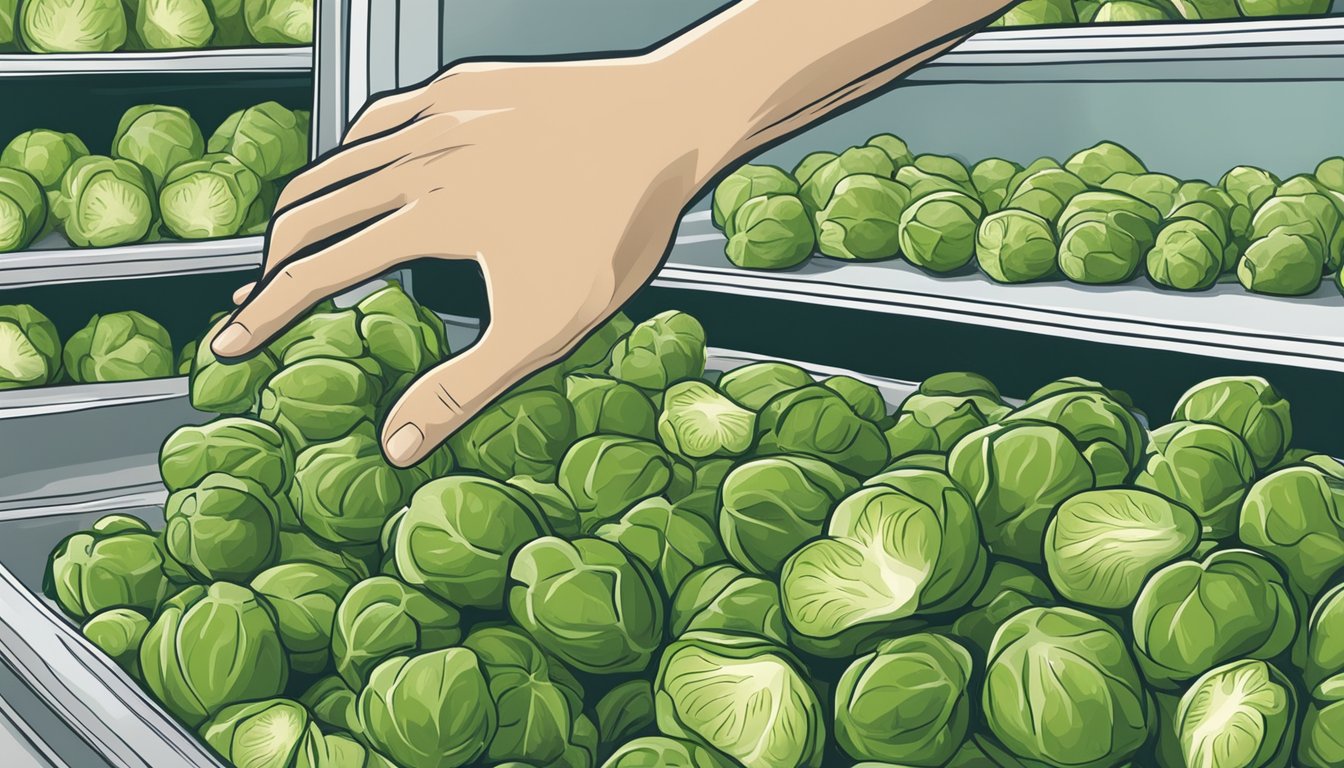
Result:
52,261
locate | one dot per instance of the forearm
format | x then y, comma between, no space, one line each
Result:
766,68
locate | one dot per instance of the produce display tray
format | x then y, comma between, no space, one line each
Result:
52,260
288,59
79,706
1224,322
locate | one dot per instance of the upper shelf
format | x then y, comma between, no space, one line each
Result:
287,59
51,261
1304,48
1225,322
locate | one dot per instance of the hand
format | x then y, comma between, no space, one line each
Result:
564,182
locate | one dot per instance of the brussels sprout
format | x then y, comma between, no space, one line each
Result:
894,146
772,506
815,421
922,183
104,202
1097,164
300,547
402,336
606,475
1321,744
625,712
30,349
812,162
273,732
991,179
1046,192
821,183
1243,714
1200,10
224,528
232,387
332,704
220,650
1249,188
755,384
1035,167
114,564
1069,384
281,22
535,713
722,598
1258,8
23,209
1109,436
433,710
158,137
1188,256
1008,589
1116,209
862,220
907,702
1099,253
946,166
458,535
1129,11
269,139
747,182
770,233
662,752
524,434
209,197
1296,517
557,509
607,406
865,399
1330,173
1156,189
1305,185
1205,466
905,543
343,491
172,24
933,423
1039,13
303,598
1281,264
1016,474
701,498
587,602
1102,545
121,346
1076,667
381,617
592,354
72,26
1248,406
117,632
919,460
699,423
1324,631
938,231
185,357
45,155
241,447
664,349
1015,246
671,545
710,687
1314,217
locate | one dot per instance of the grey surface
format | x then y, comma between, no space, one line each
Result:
53,260
288,59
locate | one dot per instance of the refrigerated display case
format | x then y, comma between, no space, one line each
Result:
1191,98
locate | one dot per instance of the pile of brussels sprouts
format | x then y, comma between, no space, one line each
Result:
1036,13
630,561
161,178
1100,218
118,346
100,26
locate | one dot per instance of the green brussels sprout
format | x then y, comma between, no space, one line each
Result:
1039,13
557,509
1188,256
324,335
583,745
272,732
812,162
23,209
755,384
605,475
1116,209
227,387
946,166
699,423
587,602
118,632
268,138
1243,714
865,399
344,490
185,357
1320,744
241,447
938,230
660,351
906,543
1281,264
1249,188
1312,216
524,434
114,564
223,529
770,233
303,598
280,22
1035,167
1249,407
991,179
332,704
158,137
1129,11
209,197
919,460
535,712
121,346
816,190
1097,164
604,405
381,617
1258,8
815,421
1069,384
1306,184
1156,189
72,26
772,506
671,545
170,24
662,752
894,146
1101,546
1330,173
1075,667
710,688
862,220
1205,466
1111,439
1015,246
592,354
625,712
32,348
1193,616
702,497
433,710
458,534
933,423
746,183
222,649
104,202
1201,10
300,547
1325,653
907,702
1046,192
45,155
1203,192
1099,253
403,337
1008,589
1016,473
922,183
1296,517
1216,221
722,598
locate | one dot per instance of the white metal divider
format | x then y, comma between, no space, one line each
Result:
330,77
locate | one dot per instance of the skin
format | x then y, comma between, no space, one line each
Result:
434,172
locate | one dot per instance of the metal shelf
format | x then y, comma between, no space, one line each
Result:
53,261
1225,322
288,59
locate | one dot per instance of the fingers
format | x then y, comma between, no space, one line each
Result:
341,169
309,223
240,295
386,114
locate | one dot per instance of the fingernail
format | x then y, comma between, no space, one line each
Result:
404,443
231,340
